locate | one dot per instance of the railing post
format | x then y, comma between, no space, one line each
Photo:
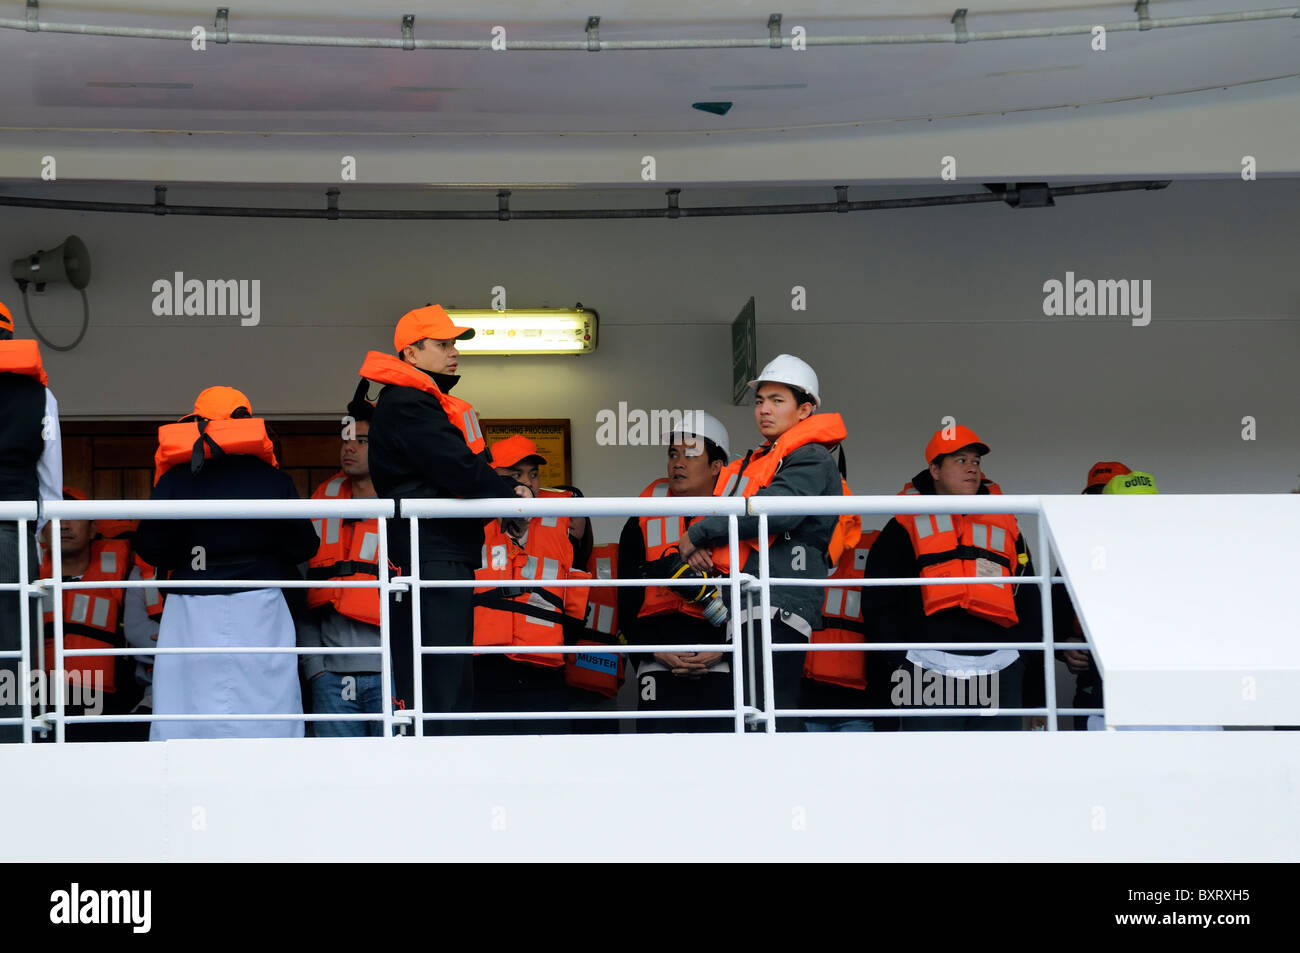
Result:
385,633
417,643
56,682
765,597
25,628
751,676
1045,589
737,677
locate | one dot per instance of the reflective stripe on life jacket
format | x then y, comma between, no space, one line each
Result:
92,617
599,672
387,369
844,623
22,356
153,598
662,533
747,476
536,616
181,443
349,550
980,544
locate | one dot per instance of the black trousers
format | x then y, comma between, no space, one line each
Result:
664,691
787,672
446,618
11,692
502,684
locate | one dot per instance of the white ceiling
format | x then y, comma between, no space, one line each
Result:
289,96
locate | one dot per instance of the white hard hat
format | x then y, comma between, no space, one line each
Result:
788,369
696,423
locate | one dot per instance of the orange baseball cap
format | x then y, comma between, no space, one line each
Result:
219,403
1101,473
431,321
508,452
959,436
6,319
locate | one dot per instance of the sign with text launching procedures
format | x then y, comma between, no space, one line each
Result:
744,352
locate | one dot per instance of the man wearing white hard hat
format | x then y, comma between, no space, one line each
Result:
698,449
794,460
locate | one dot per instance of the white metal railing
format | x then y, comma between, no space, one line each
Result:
736,582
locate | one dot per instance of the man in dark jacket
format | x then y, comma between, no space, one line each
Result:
424,444
31,468
212,549
979,546
796,460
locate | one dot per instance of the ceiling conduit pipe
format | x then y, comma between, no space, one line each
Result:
590,41
503,212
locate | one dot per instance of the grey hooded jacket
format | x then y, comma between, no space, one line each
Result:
800,544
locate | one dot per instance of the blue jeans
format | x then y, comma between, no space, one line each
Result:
342,693
839,724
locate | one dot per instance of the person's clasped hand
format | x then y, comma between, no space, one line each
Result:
696,558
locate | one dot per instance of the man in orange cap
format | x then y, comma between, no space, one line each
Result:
426,443
31,468
226,456
540,548
1102,473
939,545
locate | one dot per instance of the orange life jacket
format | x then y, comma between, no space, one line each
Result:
349,550
92,617
386,369
597,672
115,529
662,533
536,616
181,443
978,544
21,356
757,470
844,623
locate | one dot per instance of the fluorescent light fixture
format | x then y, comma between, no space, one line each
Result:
528,331
141,85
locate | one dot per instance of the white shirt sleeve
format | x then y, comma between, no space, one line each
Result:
49,469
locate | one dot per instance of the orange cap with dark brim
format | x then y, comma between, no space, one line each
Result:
431,321
952,439
220,403
1102,473
508,452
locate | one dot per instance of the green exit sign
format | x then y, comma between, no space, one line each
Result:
744,352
